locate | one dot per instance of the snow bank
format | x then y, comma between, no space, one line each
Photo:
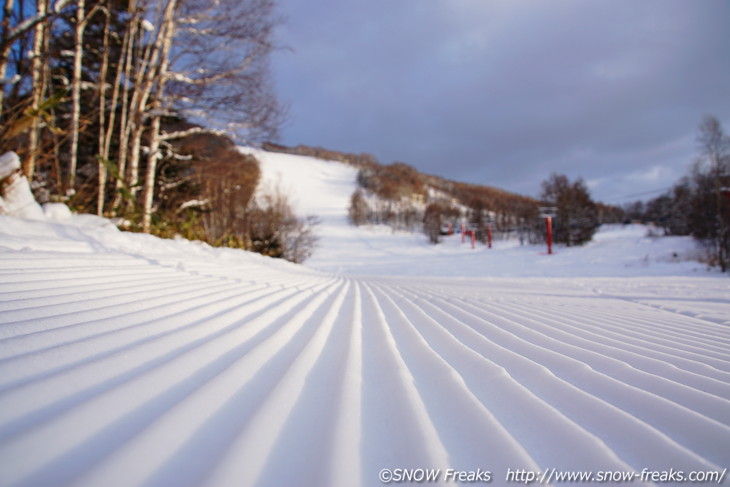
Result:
16,197
57,211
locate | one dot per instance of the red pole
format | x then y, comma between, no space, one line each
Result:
489,236
463,232
549,228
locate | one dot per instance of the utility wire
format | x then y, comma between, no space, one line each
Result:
643,193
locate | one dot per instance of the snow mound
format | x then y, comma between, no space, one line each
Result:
15,196
57,211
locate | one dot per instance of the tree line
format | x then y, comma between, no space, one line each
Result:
698,204
405,199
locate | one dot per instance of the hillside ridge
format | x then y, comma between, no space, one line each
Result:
366,160
402,197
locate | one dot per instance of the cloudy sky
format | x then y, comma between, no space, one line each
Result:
505,92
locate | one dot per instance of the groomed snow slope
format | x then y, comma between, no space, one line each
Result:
126,360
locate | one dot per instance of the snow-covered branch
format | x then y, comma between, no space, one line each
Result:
23,27
191,131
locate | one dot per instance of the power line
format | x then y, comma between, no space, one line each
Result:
643,193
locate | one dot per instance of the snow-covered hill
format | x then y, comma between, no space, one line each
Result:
127,360
323,188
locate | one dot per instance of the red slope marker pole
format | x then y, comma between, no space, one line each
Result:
549,228
489,236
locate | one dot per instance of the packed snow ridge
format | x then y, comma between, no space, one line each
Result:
127,360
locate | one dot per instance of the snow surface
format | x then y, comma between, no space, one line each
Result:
127,360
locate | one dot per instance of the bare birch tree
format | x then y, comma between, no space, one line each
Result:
715,152
146,80
81,20
124,77
219,74
38,88
219,49
102,88
167,32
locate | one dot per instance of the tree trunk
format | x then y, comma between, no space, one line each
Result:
101,195
39,87
167,32
149,180
76,94
125,63
143,91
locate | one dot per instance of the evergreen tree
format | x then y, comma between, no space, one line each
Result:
576,216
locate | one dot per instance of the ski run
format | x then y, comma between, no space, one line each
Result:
127,360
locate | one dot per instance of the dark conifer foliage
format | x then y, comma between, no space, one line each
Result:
576,214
